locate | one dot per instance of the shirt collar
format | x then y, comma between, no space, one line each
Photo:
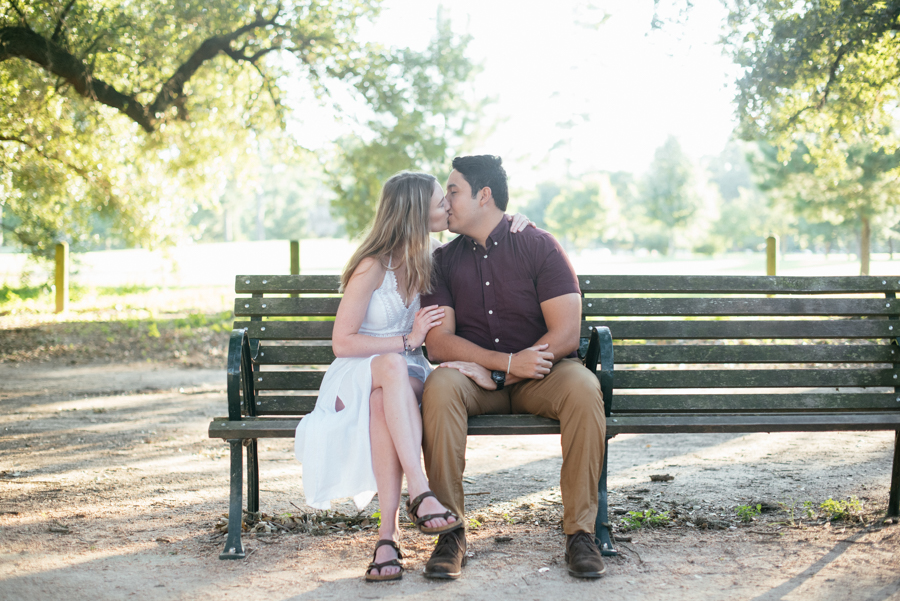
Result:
497,235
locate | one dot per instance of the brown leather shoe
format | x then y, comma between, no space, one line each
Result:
448,557
583,557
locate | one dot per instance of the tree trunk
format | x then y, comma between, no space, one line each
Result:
865,238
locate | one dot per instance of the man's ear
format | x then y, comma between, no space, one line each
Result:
485,196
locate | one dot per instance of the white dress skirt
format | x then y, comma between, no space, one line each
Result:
334,446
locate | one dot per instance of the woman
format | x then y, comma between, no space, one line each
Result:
365,432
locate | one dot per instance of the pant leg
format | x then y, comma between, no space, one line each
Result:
447,402
571,394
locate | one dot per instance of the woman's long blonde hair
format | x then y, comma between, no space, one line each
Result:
401,229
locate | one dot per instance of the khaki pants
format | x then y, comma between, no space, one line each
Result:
570,393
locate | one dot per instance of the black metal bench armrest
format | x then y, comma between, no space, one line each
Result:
600,351
240,375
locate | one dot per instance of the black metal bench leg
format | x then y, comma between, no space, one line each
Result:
233,547
894,500
252,475
602,535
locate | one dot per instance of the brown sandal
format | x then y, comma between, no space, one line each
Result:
412,507
391,562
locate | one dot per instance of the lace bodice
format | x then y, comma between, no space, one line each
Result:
387,315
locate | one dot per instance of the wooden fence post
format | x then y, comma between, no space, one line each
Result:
62,277
295,257
295,260
771,255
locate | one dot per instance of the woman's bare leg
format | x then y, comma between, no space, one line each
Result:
388,479
404,423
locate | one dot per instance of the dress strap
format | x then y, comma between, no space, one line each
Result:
390,260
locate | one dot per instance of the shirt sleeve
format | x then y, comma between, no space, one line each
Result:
555,276
440,287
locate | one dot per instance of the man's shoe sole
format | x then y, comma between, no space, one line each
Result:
587,574
446,575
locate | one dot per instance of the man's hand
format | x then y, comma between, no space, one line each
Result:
475,372
532,363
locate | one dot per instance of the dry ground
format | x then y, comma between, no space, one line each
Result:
110,489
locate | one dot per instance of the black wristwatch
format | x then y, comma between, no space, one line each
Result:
499,378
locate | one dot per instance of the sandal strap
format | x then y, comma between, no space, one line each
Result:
389,542
384,564
432,516
412,506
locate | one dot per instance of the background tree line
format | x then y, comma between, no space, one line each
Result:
141,122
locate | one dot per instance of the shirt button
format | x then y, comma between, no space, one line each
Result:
496,340
495,244
490,312
487,283
485,256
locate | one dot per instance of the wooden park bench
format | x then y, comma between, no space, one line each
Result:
694,354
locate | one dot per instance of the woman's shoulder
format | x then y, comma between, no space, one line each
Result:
370,270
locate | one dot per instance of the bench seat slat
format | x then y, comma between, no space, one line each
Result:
753,378
713,284
748,403
750,329
762,353
735,307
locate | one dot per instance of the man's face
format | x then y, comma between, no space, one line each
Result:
462,205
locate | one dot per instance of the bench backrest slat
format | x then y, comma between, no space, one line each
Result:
681,343
719,284
721,307
756,353
749,329
753,378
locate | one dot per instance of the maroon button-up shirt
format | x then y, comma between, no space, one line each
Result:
497,291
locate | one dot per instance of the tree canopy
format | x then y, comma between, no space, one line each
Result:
822,67
129,113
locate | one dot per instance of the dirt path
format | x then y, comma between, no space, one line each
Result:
110,489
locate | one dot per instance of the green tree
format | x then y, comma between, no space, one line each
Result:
133,112
669,195
853,195
419,124
818,67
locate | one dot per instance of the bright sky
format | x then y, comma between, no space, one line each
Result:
573,95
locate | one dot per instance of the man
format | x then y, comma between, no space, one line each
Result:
512,318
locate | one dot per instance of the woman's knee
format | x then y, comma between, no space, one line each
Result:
391,365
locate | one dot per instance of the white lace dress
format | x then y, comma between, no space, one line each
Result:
334,445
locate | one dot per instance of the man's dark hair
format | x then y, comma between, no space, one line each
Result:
485,171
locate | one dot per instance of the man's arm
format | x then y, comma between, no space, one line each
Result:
444,346
562,315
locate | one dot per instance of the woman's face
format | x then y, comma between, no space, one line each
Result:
438,216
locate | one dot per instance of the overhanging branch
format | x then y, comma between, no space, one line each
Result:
23,42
